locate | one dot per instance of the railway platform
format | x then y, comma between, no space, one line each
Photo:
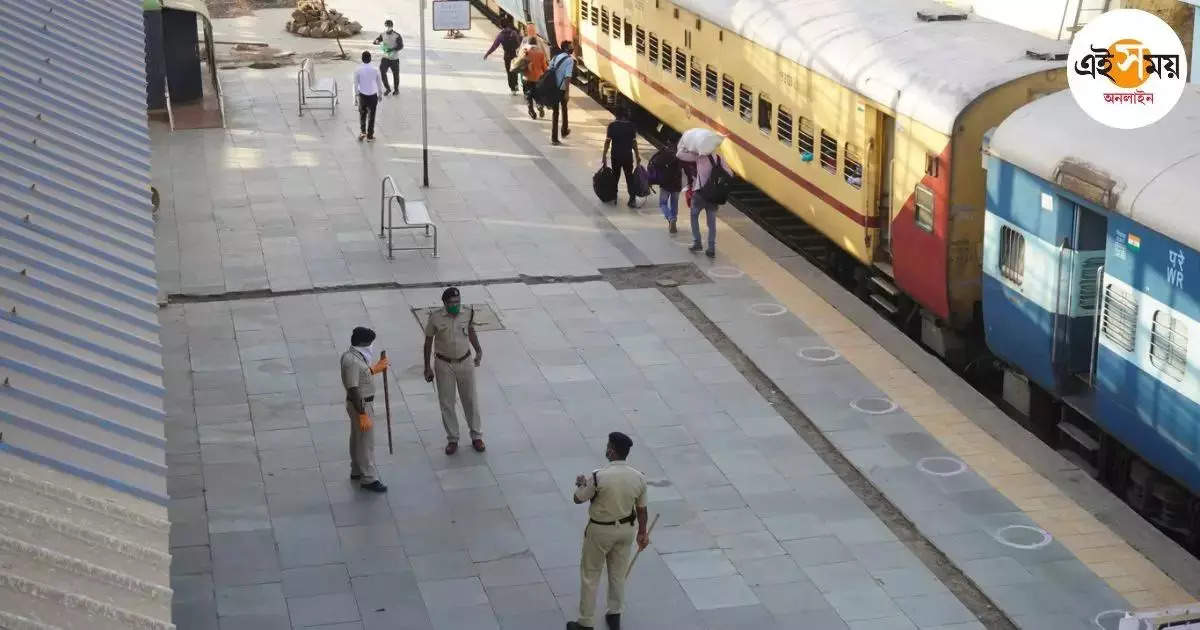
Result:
813,468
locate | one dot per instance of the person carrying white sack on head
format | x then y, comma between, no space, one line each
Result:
709,181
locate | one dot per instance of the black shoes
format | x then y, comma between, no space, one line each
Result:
374,486
695,247
574,625
355,476
566,132
631,203
712,253
613,620
671,227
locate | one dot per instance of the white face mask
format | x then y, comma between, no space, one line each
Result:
367,351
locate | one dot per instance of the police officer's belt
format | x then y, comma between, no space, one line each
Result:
628,520
458,360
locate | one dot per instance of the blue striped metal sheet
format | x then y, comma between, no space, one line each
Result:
83,528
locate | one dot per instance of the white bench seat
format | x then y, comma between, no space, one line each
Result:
413,215
311,87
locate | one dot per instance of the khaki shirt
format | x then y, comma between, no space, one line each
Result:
621,488
449,332
356,373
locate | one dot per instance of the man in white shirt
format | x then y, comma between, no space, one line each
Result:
368,83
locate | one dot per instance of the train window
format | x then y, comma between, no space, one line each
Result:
764,114
727,92
710,82
1012,255
1118,319
829,150
667,56
640,48
852,166
924,214
804,136
652,48
595,15
680,64
1168,344
583,11
604,20
616,26
783,126
746,103
931,165
695,75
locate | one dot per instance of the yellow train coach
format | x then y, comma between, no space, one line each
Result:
863,117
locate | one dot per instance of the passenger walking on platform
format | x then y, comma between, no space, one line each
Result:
563,66
666,170
367,84
392,45
617,493
534,60
622,137
709,186
510,40
450,336
358,378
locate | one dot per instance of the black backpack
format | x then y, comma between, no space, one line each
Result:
716,189
546,92
510,40
604,184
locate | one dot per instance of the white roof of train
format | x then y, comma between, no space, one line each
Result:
1156,168
930,71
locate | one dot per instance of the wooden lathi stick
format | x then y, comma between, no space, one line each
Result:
639,551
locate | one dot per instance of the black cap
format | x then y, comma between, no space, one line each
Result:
362,336
621,442
449,293
387,22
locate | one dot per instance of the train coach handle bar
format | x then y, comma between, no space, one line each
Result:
1057,302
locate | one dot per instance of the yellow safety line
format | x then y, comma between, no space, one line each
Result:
1125,569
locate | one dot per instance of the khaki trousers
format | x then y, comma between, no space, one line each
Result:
461,377
362,444
604,545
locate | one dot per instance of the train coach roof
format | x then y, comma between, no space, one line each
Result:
930,71
1155,169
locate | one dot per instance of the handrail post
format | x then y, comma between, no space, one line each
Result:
1057,302
1096,326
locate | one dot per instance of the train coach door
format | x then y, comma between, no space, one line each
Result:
1090,240
883,161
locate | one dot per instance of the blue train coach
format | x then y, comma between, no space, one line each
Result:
1091,295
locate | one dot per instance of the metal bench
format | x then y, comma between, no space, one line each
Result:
413,215
310,87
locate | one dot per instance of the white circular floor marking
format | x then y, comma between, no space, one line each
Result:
941,466
874,405
819,354
1002,535
768,309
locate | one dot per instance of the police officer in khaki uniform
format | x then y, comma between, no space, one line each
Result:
358,373
618,498
450,336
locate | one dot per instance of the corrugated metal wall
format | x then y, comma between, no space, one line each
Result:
83,520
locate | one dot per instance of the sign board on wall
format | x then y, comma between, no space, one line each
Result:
451,15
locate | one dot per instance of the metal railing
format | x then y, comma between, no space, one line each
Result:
387,218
